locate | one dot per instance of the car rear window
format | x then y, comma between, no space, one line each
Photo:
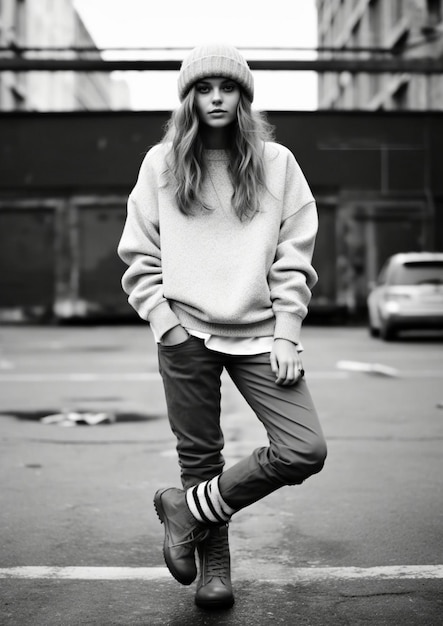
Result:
418,272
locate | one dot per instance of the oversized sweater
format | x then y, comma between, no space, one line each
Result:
210,271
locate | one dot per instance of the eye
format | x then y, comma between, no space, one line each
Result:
229,87
202,88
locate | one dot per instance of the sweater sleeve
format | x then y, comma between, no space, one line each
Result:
292,276
140,249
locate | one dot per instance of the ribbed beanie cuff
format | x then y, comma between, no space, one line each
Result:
215,60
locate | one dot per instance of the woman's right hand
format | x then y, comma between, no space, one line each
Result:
174,336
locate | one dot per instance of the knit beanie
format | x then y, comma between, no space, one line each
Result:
215,60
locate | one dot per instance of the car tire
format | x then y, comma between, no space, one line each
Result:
387,331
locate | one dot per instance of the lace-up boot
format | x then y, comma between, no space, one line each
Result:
214,588
182,533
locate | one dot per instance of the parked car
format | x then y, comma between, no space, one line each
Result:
408,294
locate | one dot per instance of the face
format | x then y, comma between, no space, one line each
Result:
216,100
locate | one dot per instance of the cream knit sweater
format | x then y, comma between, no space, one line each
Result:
209,271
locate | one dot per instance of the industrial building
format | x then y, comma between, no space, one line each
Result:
381,29
56,25
65,179
372,154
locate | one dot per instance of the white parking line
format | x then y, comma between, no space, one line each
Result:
276,574
87,377
84,377
86,573
76,377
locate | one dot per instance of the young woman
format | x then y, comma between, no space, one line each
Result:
219,239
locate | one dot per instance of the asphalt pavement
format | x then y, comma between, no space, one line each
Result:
360,543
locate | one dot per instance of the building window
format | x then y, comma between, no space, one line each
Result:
18,100
434,10
355,36
375,84
400,97
19,25
396,11
375,22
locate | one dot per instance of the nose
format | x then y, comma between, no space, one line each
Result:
216,96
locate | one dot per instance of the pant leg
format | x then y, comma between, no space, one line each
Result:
191,379
297,448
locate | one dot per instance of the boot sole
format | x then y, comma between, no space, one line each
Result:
164,520
216,604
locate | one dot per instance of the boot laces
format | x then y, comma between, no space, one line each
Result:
217,557
192,538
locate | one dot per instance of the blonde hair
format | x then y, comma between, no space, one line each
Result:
246,166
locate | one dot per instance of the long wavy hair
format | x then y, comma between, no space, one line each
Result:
246,148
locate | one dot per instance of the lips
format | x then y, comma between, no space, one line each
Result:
217,111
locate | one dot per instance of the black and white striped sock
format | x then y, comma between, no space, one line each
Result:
206,503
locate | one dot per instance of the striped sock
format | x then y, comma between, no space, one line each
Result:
206,503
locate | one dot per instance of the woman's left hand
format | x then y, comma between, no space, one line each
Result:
285,362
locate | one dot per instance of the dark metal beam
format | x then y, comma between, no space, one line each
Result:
180,50
372,66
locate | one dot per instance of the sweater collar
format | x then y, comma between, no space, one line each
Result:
216,155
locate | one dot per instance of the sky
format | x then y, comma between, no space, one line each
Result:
185,24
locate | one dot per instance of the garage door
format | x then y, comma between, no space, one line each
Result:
27,257
100,268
